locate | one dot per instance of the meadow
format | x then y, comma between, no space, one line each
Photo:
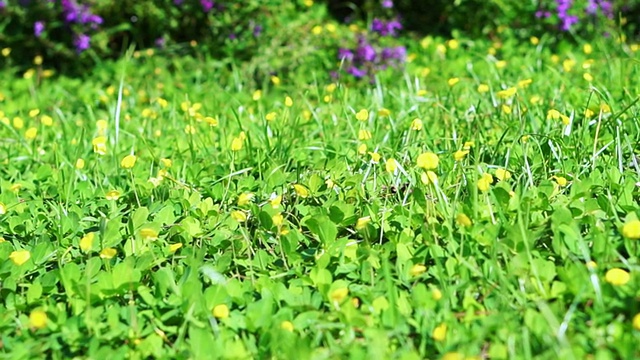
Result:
481,202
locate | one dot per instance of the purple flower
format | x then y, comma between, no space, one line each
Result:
366,52
207,5
81,42
38,28
387,4
345,54
161,42
357,72
3,4
386,28
257,30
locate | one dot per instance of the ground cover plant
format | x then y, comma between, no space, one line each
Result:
479,201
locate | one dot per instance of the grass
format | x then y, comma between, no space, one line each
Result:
299,218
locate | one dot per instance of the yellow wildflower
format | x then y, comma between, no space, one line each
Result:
149,234
631,229
128,161
239,216
38,319
375,157
174,247
391,165
417,269
245,198
428,161
20,257
301,190
617,277
286,325
86,243
460,155
108,253
338,295
463,220
112,195
485,181
362,115
221,311
439,333
416,124
503,174
363,222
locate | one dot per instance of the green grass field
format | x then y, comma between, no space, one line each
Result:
481,204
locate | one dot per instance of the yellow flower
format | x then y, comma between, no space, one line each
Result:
429,177
591,265
108,253
506,109
101,125
375,157
588,113
428,160
338,295
483,88
362,115
245,198
149,234
363,222
16,187
568,65
503,174
86,243
391,165
362,149
454,356
588,77
18,123
237,143
277,219
288,102
99,145
275,80
301,190
416,124
468,145
561,181
331,88
636,322
605,109
524,83
112,195
453,44
211,121
631,229
128,161
460,155
436,294
46,120
256,95
440,332
80,164
507,93
271,116
485,181
20,257
286,325
239,216
501,64
384,112
453,81
417,269
617,277
364,134
3,209
6,52
38,319
189,129
276,201
31,133
587,49
316,30
534,40
166,162
221,311
174,247
463,220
